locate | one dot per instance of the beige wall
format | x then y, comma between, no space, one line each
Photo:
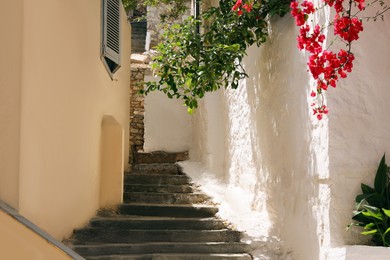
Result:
56,91
10,83
19,242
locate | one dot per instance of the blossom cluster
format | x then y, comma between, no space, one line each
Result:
239,6
327,66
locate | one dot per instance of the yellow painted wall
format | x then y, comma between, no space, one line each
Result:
10,83
55,92
19,242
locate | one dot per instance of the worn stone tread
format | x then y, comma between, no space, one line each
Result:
174,257
156,179
169,210
98,235
158,223
167,198
159,188
163,248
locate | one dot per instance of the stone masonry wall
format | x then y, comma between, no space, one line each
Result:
137,109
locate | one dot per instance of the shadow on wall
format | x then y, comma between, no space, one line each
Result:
280,136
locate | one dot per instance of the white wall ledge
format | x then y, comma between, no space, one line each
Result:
359,253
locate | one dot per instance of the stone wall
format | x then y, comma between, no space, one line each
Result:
137,108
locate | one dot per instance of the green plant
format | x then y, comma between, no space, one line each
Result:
189,64
373,207
173,8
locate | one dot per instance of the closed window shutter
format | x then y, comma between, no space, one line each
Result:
111,34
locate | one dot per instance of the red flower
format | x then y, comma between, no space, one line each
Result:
247,7
313,94
237,5
348,28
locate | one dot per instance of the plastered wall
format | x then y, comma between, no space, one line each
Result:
62,92
302,175
19,242
11,19
167,123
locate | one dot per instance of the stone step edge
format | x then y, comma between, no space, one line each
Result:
167,193
151,218
160,205
170,256
156,244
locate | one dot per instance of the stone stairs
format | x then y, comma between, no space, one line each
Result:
138,36
164,216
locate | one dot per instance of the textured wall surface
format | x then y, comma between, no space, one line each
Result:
261,141
167,123
60,92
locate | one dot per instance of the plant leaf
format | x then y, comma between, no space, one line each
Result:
371,232
381,177
361,197
369,226
387,212
366,189
372,212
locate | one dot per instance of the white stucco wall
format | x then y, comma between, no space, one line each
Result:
55,92
167,123
263,152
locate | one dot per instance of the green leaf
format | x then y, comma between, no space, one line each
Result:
366,189
387,212
381,177
371,232
369,226
362,197
372,212
387,231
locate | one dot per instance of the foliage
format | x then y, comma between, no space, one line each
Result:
174,8
373,207
130,4
189,64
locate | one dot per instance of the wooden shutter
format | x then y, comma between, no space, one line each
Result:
111,34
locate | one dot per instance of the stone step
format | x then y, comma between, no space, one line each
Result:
141,24
157,223
174,257
156,179
167,198
97,235
159,188
159,157
156,168
138,30
163,247
167,210
140,38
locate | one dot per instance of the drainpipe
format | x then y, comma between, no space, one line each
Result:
197,14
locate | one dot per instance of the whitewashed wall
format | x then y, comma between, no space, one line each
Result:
167,124
264,154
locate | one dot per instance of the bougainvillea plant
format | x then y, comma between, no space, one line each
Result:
328,66
189,63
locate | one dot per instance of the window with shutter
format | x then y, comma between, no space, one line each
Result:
110,51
